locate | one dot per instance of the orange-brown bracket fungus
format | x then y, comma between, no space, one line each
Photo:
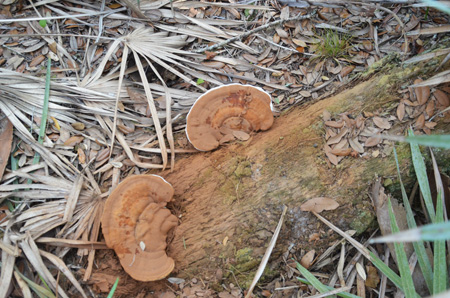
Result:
226,109
135,224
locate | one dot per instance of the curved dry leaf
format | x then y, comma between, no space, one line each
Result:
299,42
241,135
372,277
333,158
361,272
381,122
308,259
360,122
335,124
372,141
81,156
368,46
346,70
343,144
356,145
214,64
430,125
420,122
72,141
250,58
6,136
37,60
401,111
319,204
78,125
334,70
442,98
422,93
341,152
305,93
337,138
430,108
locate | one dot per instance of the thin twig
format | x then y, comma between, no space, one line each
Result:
256,30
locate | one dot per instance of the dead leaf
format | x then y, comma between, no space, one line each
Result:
210,55
430,108
37,60
442,98
78,125
401,110
81,156
319,204
422,93
72,141
305,93
341,152
250,58
372,141
308,259
337,138
381,122
333,158
368,46
214,64
299,42
346,70
6,136
356,145
314,237
430,125
372,277
335,124
420,122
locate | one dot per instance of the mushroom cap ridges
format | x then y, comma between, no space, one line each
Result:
135,224
235,106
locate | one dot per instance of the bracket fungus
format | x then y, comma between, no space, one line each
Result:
228,112
135,224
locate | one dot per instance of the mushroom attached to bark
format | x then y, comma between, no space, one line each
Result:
226,109
135,224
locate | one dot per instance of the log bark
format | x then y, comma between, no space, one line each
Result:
230,200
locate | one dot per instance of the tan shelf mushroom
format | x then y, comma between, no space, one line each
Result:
228,112
135,224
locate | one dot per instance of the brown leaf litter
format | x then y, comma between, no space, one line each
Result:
99,132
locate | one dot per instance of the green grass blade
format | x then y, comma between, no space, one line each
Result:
419,246
422,178
43,124
402,259
430,232
39,290
438,5
390,274
312,279
442,141
440,264
113,289
341,294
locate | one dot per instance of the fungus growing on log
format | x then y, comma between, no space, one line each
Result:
222,113
135,224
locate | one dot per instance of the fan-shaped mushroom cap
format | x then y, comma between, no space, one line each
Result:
135,224
233,107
